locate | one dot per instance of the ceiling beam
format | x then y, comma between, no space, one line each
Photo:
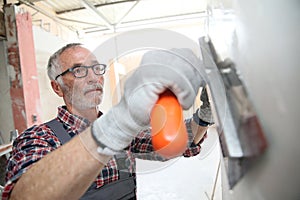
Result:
94,10
54,18
96,5
81,22
131,25
166,19
129,10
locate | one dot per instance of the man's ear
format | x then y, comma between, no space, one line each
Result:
56,88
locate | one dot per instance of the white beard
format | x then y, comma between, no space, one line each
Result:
78,99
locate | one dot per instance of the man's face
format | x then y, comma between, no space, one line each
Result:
81,93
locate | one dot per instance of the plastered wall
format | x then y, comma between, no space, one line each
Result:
266,51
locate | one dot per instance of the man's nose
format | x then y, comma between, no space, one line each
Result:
92,77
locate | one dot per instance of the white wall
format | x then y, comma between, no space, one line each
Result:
267,54
45,45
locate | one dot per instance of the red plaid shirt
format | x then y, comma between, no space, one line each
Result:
38,141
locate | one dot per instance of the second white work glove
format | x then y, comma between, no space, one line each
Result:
177,70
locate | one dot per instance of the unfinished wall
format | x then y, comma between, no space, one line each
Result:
6,116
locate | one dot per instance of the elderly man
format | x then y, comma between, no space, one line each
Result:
76,155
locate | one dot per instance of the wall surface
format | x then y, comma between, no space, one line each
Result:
45,44
6,116
266,51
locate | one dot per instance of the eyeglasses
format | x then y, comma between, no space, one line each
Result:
82,71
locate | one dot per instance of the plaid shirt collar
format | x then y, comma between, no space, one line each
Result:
74,121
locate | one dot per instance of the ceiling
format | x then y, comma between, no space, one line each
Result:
88,16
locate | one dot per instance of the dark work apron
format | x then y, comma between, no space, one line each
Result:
122,189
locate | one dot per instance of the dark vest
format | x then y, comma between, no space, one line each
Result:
122,189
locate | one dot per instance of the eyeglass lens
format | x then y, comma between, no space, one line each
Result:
81,71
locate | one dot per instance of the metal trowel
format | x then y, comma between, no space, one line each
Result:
240,133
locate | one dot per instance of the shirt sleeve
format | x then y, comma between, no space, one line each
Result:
193,149
32,145
142,148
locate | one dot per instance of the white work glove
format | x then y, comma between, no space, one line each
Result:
159,70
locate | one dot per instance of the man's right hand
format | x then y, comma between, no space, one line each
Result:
159,70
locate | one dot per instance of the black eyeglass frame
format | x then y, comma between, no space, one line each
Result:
72,69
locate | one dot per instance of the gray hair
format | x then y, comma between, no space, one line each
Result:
54,67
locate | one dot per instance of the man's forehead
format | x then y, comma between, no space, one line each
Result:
77,51
77,54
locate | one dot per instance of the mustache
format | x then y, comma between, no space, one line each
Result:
92,88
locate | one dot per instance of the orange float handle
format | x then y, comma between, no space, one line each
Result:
169,135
